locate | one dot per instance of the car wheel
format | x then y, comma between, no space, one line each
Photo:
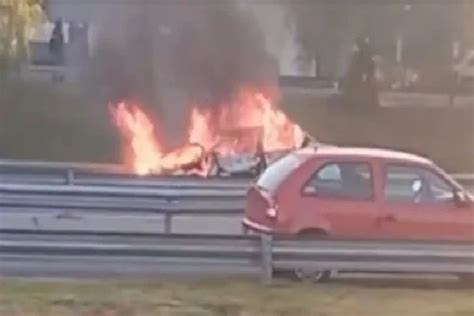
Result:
311,275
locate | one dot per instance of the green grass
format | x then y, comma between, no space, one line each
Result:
230,297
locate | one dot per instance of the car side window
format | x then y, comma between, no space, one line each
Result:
415,185
342,180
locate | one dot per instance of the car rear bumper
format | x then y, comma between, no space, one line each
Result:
249,224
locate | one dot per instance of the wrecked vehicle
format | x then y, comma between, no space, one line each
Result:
248,163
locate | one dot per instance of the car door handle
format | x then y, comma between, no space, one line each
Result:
390,218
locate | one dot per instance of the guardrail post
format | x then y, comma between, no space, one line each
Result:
70,177
266,253
168,224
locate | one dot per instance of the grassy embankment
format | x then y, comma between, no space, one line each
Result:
231,298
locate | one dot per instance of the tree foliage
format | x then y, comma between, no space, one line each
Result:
327,29
18,19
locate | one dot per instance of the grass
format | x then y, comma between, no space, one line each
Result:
230,297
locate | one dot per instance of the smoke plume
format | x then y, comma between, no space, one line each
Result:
217,49
174,55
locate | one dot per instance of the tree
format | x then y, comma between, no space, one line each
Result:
326,30
18,19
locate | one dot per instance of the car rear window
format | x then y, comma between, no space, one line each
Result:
278,171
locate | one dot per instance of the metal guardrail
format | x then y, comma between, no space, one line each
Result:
77,190
23,252
80,202
98,193
104,174
379,256
61,166
81,174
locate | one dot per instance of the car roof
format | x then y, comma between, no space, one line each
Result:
335,151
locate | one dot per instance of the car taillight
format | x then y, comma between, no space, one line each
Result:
272,209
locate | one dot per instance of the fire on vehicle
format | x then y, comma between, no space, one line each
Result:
240,137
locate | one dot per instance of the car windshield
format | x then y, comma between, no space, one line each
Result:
278,171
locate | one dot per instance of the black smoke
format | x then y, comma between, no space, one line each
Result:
174,55
217,50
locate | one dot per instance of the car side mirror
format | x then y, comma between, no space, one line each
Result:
461,199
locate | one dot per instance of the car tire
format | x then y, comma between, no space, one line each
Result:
310,275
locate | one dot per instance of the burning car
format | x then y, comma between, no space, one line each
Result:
241,137
250,162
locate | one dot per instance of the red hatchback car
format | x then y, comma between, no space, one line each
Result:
359,193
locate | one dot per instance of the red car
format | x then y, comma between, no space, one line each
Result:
359,193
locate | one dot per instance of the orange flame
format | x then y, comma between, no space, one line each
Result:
206,132
138,135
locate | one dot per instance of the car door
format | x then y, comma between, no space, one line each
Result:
341,194
419,204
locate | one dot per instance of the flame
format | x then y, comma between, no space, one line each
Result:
210,129
200,131
138,135
278,132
